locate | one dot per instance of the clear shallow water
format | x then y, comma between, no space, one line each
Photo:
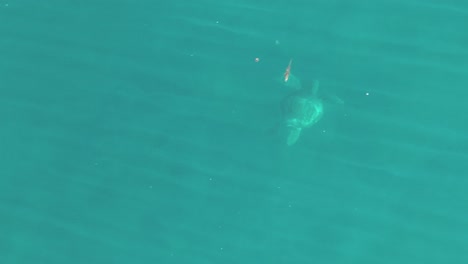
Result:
143,132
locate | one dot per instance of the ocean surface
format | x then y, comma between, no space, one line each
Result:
150,132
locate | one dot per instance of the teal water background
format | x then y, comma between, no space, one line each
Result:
145,132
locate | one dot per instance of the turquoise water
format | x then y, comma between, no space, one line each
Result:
145,132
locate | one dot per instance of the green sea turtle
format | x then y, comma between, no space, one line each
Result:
301,108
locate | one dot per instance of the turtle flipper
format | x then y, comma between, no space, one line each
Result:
333,99
293,135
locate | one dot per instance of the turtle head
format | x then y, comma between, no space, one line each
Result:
315,87
311,88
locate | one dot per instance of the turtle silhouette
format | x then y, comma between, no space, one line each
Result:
301,109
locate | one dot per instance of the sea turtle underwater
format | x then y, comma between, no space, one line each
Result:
301,109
